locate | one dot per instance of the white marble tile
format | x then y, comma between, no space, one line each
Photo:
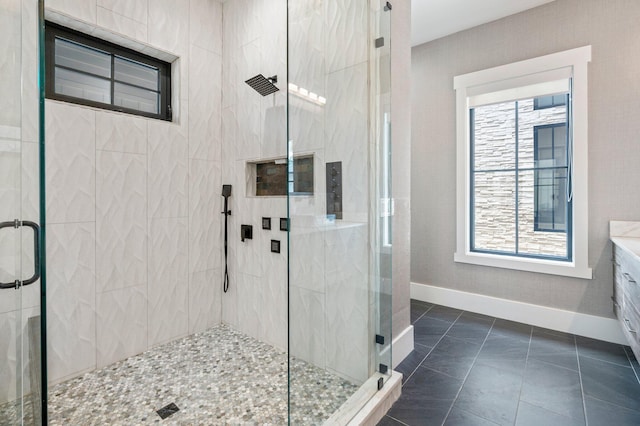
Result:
307,262
307,325
30,101
168,280
70,163
624,229
205,104
30,182
121,324
205,25
173,15
205,221
251,300
132,9
205,299
346,29
121,24
274,126
12,324
167,171
10,65
274,326
84,10
121,132
71,299
347,128
121,220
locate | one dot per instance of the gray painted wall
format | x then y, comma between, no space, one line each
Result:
611,27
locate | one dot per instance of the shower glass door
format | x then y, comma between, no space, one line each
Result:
20,372
339,207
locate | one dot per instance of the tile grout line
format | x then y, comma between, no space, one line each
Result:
399,421
524,373
626,352
584,403
464,380
434,346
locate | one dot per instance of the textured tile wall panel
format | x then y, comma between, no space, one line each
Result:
84,10
121,324
205,25
70,163
121,223
169,14
346,29
121,132
205,221
307,325
71,299
121,24
205,299
132,9
168,279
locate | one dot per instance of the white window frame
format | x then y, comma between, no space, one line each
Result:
501,80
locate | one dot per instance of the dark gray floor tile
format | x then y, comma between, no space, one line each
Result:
604,351
470,330
389,421
494,377
420,414
531,415
412,361
443,313
458,417
511,329
429,385
603,413
418,309
498,405
427,331
504,348
555,349
553,388
610,382
452,356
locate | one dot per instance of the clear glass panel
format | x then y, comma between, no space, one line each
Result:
82,58
134,98
340,236
78,85
494,136
20,380
136,73
494,211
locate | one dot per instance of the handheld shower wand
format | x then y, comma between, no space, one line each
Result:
226,193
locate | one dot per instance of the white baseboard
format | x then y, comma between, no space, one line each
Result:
402,346
592,326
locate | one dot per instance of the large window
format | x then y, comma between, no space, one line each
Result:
89,71
522,165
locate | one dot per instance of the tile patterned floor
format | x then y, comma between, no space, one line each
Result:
216,377
470,369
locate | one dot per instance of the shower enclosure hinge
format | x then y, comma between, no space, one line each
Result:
387,7
379,339
383,369
379,42
380,383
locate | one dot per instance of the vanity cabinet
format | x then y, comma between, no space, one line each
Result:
626,292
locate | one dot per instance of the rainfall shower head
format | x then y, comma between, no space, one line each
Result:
263,85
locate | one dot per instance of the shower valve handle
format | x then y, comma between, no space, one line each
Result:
228,212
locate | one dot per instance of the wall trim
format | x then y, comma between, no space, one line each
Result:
595,327
402,346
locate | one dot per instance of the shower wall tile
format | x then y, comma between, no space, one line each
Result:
251,315
307,325
168,171
307,272
229,139
30,184
274,126
205,299
168,280
79,9
205,221
169,25
121,132
132,9
346,29
71,297
249,107
205,91
348,136
70,163
121,220
274,327
205,25
122,24
121,324
29,50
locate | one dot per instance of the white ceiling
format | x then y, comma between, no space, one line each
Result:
432,19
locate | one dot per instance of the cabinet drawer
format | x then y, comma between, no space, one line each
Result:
630,320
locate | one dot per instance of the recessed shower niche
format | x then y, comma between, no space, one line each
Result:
274,177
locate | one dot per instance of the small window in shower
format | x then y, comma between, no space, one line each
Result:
274,178
89,71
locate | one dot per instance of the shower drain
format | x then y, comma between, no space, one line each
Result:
168,410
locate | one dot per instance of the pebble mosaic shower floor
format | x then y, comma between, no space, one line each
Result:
218,377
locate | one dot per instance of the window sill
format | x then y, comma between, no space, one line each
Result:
541,266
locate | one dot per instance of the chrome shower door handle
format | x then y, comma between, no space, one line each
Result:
36,252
